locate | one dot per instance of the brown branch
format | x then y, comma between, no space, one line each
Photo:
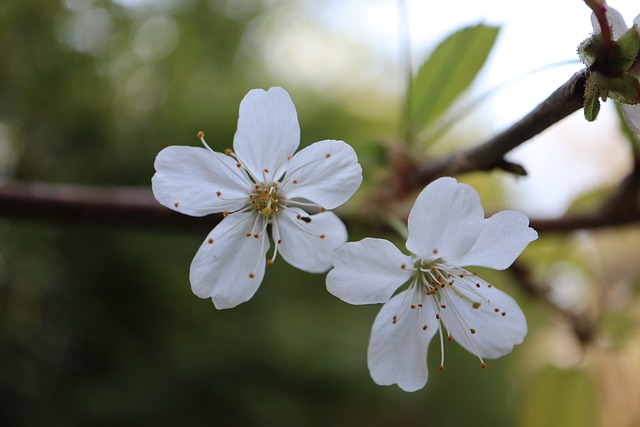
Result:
489,155
131,206
75,204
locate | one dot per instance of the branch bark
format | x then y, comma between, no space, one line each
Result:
75,204
136,207
489,155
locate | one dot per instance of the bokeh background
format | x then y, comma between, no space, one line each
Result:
98,325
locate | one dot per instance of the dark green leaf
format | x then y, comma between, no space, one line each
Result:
590,48
591,101
625,89
448,72
626,50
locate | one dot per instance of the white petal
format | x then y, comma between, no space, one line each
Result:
268,133
196,181
368,271
495,333
445,220
229,266
616,21
503,238
326,173
632,117
308,245
398,351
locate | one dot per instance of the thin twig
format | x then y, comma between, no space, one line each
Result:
76,204
489,155
133,206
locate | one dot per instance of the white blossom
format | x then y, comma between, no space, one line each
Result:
447,231
260,185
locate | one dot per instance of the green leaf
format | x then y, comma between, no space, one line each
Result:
625,89
590,48
625,51
591,101
448,72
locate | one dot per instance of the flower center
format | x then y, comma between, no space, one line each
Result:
265,200
449,290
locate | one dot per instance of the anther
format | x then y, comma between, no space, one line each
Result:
327,155
440,368
256,235
504,313
295,181
435,251
225,213
299,216
497,310
443,306
322,236
200,135
473,331
323,210
251,276
420,305
394,320
477,285
218,193
176,204
210,241
238,165
449,338
279,242
269,262
228,151
476,305
248,234
483,365
403,266
437,317
425,327
413,307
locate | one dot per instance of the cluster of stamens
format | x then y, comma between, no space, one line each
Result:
432,280
265,200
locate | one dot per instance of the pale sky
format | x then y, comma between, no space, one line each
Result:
312,49
350,50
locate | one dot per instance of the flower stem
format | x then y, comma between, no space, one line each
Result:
599,9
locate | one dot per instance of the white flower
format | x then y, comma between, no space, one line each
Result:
630,112
261,183
447,230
